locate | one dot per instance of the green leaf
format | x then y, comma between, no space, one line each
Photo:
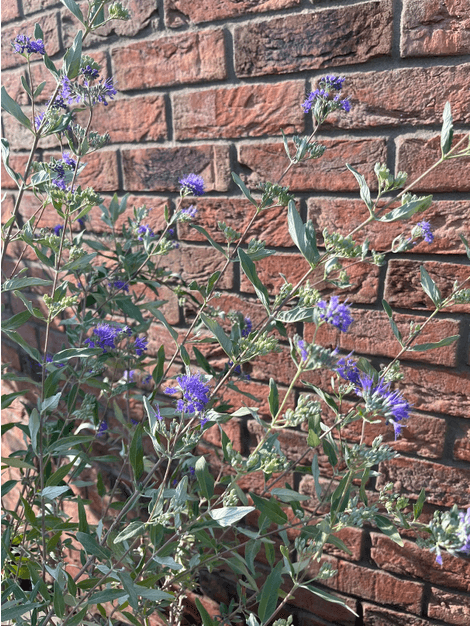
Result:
204,478
50,403
23,283
129,586
8,398
132,530
59,474
12,461
229,515
75,353
82,520
219,333
438,344
51,493
108,595
16,321
269,593
74,8
203,362
158,370
363,187
6,162
155,595
388,529
14,109
289,495
15,612
296,314
406,210
8,486
418,506
270,508
389,313
447,132
92,546
316,476
59,602
466,244
273,397
302,235
159,315
206,618
430,287
34,425
50,65
238,181
73,57
213,243
328,597
136,452
249,269
39,89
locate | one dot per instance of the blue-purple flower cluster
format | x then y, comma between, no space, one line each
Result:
189,213
75,93
145,231
140,345
378,397
119,284
424,230
246,330
302,347
59,169
335,313
464,531
195,394
25,45
192,184
322,96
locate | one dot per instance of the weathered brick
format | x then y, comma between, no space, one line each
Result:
438,390
448,218
141,13
20,138
194,263
329,173
431,28
378,616
404,96
242,111
158,169
462,444
270,226
324,610
444,485
101,171
371,333
130,120
12,82
451,608
38,5
186,58
363,277
416,155
10,11
180,12
403,283
48,24
233,429
410,560
307,41
374,585
18,164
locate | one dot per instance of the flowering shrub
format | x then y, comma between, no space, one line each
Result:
180,516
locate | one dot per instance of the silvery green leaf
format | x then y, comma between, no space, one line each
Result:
213,243
73,57
74,8
447,132
219,333
168,561
269,593
92,546
249,270
155,595
6,161
273,397
133,529
34,422
229,515
302,235
407,210
438,344
328,597
238,181
51,493
108,595
430,287
16,321
23,283
296,314
289,495
363,187
388,528
39,89
50,404
389,313
204,478
13,108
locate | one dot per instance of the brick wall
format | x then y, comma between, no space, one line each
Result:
205,86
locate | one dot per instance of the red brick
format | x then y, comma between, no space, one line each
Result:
448,218
180,12
10,355
416,155
141,13
195,263
431,28
155,218
438,390
372,334
304,41
12,82
270,225
363,277
374,585
20,138
100,172
186,58
18,164
462,445
260,391
378,616
242,111
158,169
48,24
451,608
405,96
10,11
131,120
38,5
324,610
329,173
403,283
410,560
233,429
444,485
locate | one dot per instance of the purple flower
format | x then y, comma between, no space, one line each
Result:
38,120
23,44
140,345
68,94
192,183
426,232
50,358
312,97
60,183
103,427
195,393
302,346
106,337
158,415
119,284
147,379
129,375
57,229
343,104
89,72
145,231
192,471
189,213
248,327
439,558
68,159
464,531
347,369
81,222
336,314
331,81
107,91
134,422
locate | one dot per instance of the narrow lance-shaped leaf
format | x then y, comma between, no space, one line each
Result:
363,187
422,347
219,334
273,397
389,313
13,108
447,132
407,209
204,478
305,241
136,452
430,287
249,270
238,181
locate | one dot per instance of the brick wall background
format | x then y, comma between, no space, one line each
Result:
205,86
